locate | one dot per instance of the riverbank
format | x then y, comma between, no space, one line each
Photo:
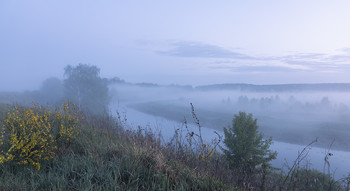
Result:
287,152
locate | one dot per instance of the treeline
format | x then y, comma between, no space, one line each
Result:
82,85
291,104
341,87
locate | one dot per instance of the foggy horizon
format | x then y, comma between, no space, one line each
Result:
186,43
142,79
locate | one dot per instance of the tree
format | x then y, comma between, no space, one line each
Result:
84,86
246,151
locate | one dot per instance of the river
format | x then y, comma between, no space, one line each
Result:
287,153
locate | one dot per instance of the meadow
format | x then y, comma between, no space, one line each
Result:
106,155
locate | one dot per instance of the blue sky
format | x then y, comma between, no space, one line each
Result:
181,42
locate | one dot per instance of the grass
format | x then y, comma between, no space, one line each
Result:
106,156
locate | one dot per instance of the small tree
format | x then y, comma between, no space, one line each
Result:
247,152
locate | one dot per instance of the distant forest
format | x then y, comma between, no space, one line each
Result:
279,87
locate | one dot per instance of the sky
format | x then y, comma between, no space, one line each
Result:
185,42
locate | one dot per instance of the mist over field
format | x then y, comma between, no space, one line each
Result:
147,63
292,115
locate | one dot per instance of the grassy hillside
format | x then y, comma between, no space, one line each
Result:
108,156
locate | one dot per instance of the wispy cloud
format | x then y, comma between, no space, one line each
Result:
201,50
303,56
346,50
341,58
226,60
258,66
248,68
321,62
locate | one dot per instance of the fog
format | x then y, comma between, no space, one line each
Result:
288,116
293,118
293,115
191,45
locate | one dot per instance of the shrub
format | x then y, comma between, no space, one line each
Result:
31,135
310,179
66,124
247,152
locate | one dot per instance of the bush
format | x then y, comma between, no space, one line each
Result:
31,135
311,179
66,124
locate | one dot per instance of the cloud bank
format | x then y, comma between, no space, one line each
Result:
219,58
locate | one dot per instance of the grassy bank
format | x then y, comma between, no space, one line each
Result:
108,156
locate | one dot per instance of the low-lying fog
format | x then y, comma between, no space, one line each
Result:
293,115
293,118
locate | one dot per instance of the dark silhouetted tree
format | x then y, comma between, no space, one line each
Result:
84,86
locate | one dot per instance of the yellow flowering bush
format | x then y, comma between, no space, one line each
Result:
66,123
31,135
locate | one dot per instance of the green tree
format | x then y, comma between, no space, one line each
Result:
246,150
84,86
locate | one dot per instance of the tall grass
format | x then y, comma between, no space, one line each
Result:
108,156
